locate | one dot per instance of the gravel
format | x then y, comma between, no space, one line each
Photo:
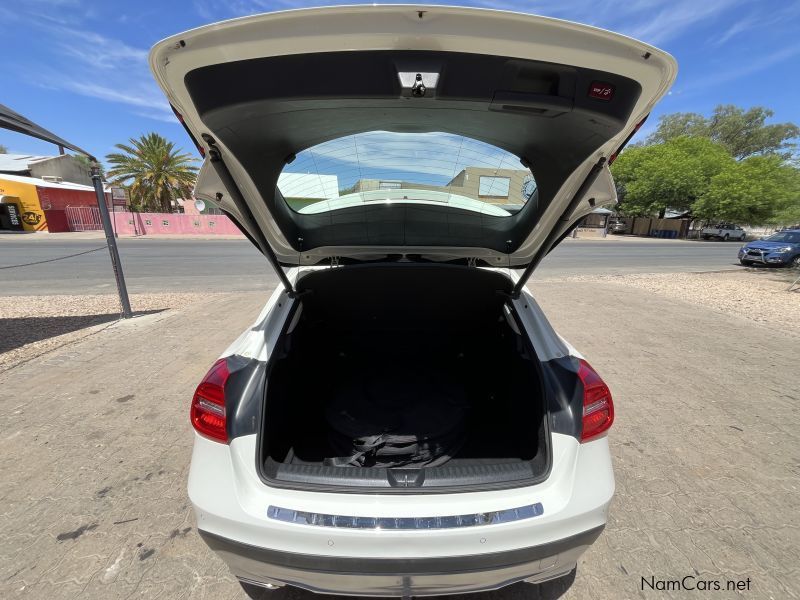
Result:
34,325
759,295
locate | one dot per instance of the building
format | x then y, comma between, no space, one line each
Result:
35,204
61,168
597,219
495,186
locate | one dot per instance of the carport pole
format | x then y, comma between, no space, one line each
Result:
112,242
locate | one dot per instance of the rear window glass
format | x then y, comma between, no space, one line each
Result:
420,168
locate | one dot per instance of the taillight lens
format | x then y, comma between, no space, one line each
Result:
598,408
208,403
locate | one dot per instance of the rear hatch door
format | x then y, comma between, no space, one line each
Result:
266,97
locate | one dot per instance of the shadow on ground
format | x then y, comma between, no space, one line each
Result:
16,332
780,274
550,590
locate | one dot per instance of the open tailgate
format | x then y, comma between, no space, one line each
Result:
257,91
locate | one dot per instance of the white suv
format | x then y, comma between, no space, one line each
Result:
401,419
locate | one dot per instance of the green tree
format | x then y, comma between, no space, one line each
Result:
673,175
678,124
155,172
743,132
87,164
755,190
788,215
3,149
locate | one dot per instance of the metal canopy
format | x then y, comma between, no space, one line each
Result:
14,121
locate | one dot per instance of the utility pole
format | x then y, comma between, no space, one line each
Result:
111,241
14,121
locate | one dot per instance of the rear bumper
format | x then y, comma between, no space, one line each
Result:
232,509
231,501
401,576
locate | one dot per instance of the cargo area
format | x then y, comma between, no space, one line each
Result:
424,362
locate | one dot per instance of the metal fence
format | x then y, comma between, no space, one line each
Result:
83,218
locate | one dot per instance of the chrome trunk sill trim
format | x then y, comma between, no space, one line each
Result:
298,517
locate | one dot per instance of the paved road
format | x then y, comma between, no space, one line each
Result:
94,461
153,265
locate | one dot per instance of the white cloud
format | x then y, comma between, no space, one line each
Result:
740,69
95,49
422,157
142,97
652,21
671,20
213,10
95,66
781,19
738,27
85,62
165,116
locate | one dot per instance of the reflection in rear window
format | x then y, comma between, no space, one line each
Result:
494,186
387,167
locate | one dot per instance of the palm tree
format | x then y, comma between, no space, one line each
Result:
155,172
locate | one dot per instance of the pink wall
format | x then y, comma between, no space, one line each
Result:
179,224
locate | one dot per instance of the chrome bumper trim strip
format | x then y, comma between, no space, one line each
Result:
287,515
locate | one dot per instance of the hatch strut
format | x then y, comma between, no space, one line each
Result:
556,232
246,214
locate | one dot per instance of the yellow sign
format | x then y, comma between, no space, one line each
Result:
27,197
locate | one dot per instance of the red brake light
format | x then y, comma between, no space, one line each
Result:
208,403
598,408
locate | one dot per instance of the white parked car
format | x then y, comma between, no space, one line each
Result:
724,232
401,419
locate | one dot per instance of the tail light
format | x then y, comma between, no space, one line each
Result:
208,403
598,408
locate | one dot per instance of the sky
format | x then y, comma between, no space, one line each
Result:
79,68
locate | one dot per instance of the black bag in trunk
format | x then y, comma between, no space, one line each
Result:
392,419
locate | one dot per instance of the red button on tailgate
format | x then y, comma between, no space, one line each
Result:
601,91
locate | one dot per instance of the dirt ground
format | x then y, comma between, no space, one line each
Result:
95,444
35,325
760,295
